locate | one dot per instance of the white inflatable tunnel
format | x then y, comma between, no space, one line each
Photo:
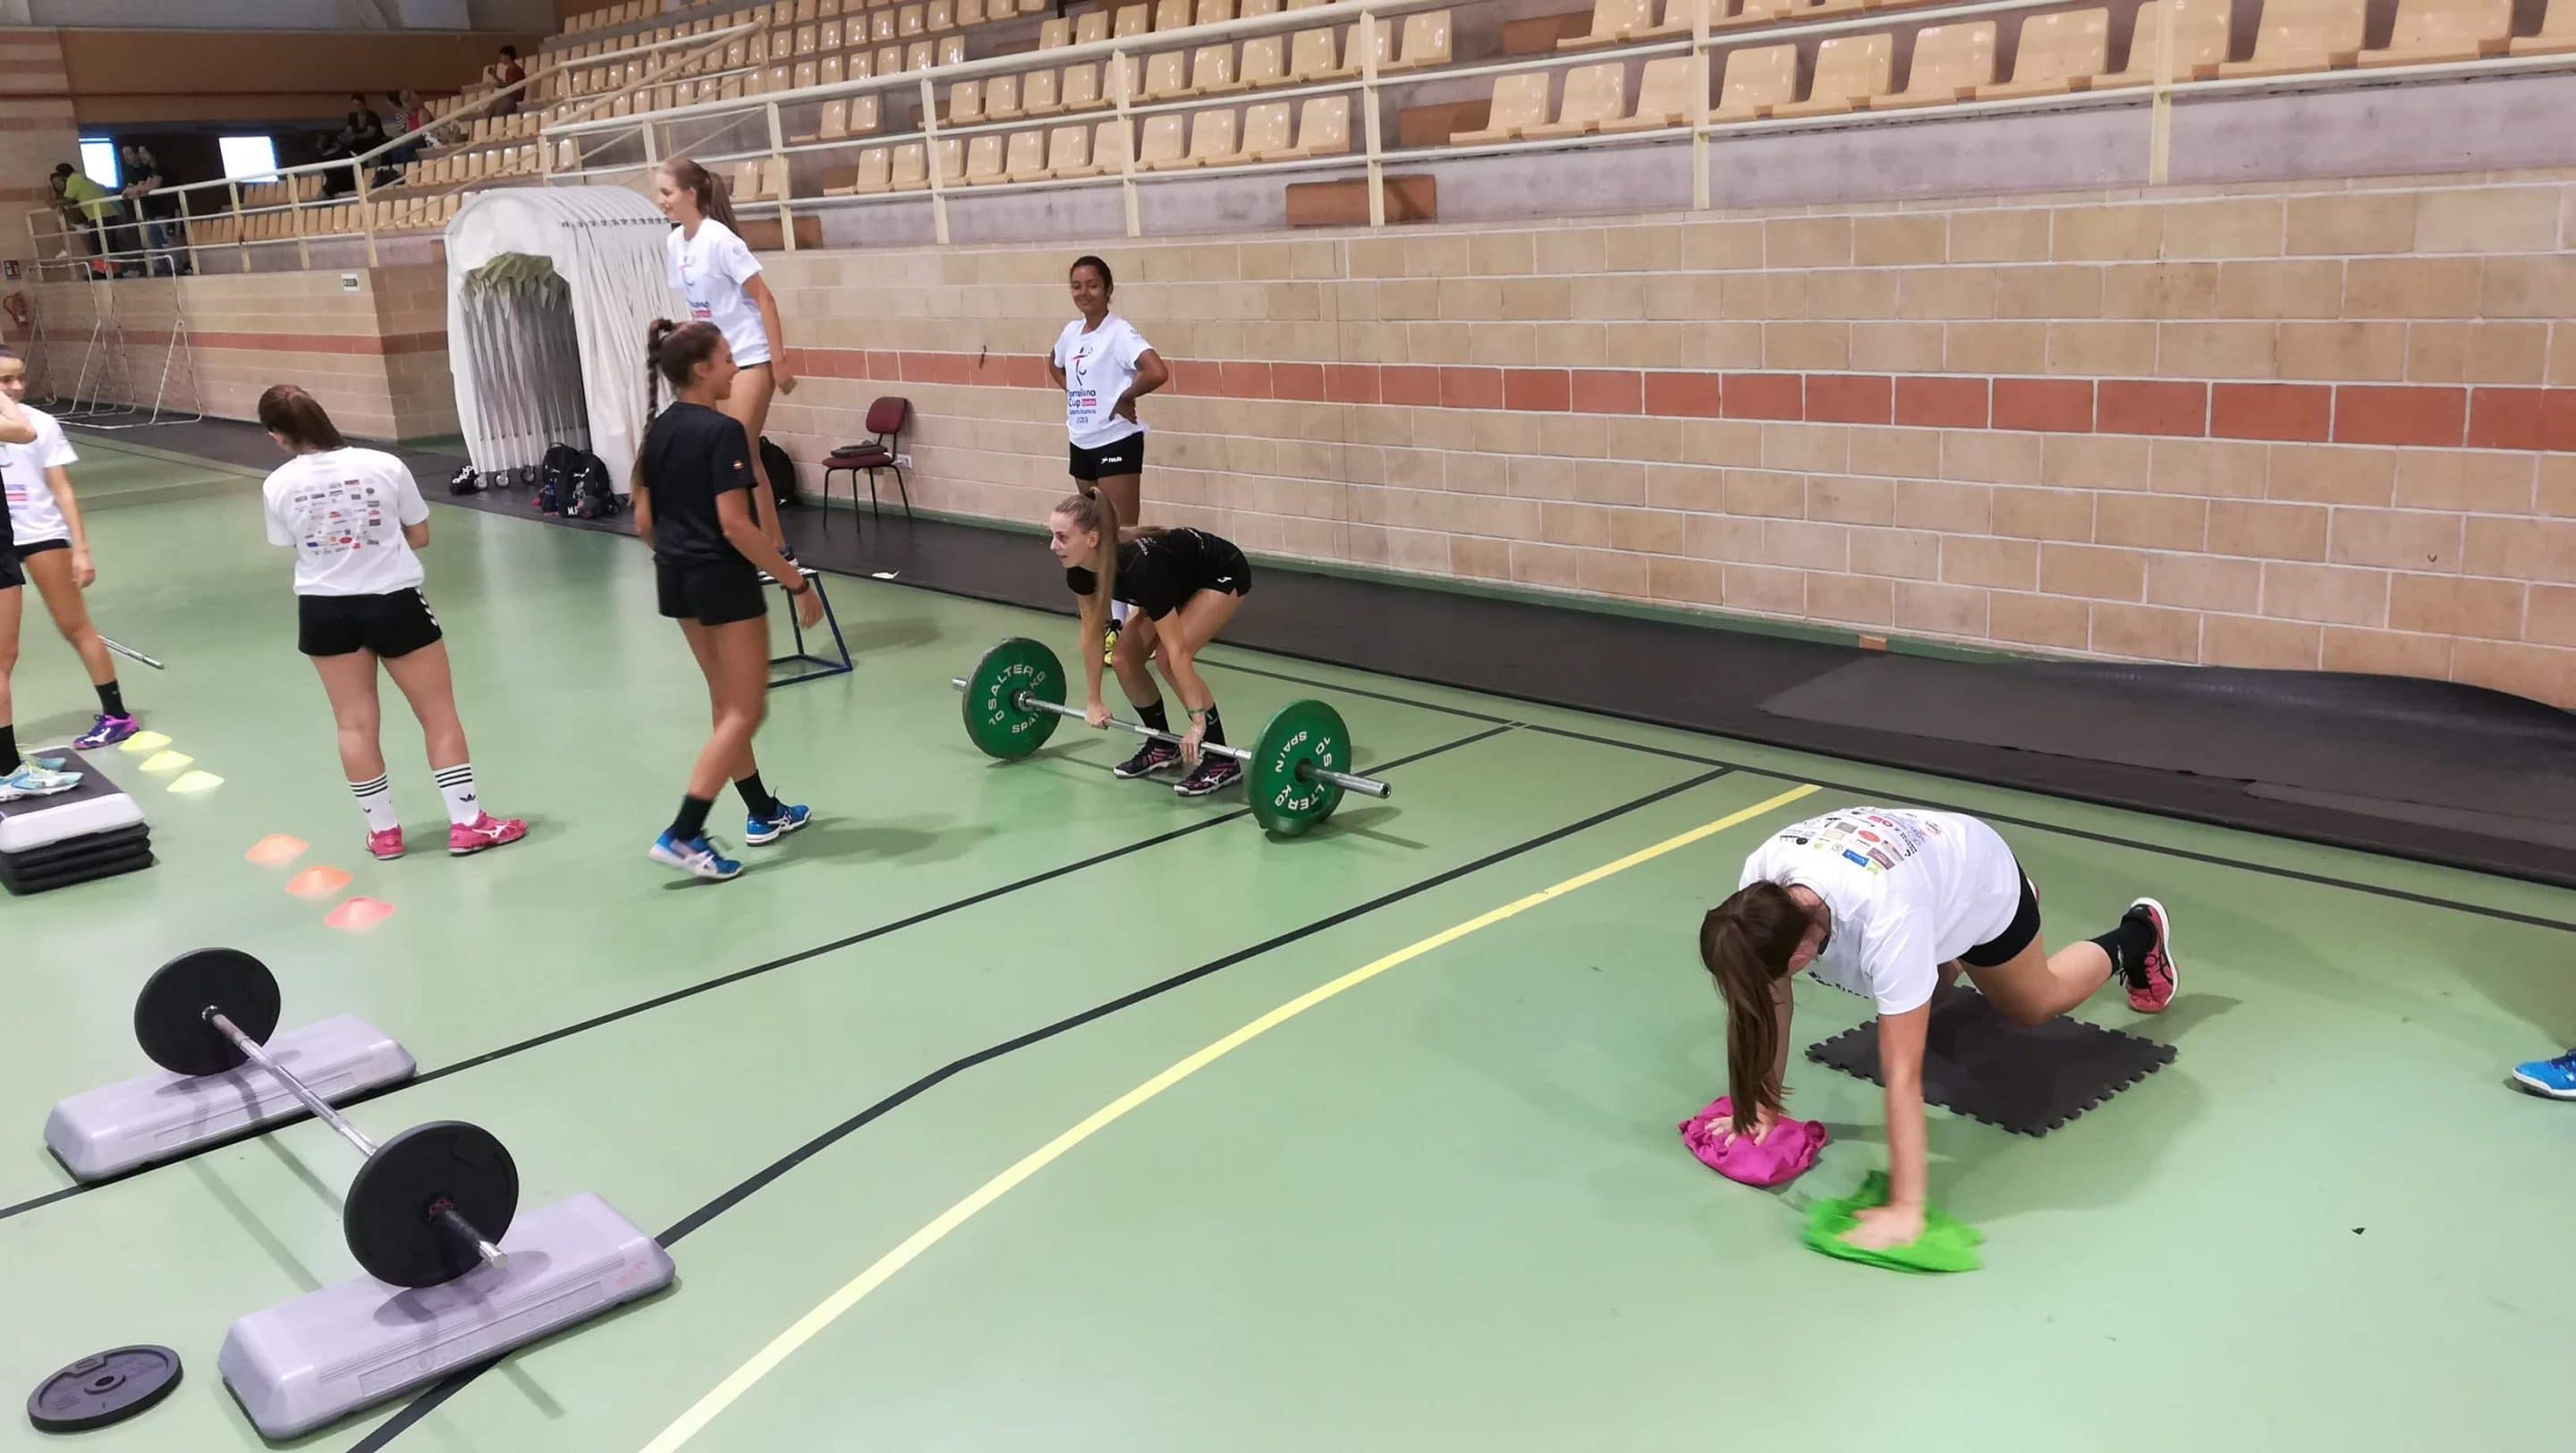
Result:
606,246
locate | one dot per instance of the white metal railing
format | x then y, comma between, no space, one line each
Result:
1366,22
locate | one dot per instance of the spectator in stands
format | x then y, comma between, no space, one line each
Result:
361,131
409,115
508,72
142,180
87,207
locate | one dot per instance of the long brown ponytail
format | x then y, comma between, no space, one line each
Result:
297,417
706,187
1746,943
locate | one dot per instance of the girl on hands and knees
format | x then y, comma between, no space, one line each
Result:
1893,904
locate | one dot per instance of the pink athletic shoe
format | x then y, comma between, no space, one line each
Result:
2152,982
387,845
465,839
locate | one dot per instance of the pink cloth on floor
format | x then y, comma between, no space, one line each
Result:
1776,1159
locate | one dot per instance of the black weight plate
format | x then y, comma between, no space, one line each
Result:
170,1013
108,1388
391,1217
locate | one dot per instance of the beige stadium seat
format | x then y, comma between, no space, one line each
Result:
1614,22
940,17
1111,141
1171,14
1213,12
1055,33
1265,59
827,38
835,125
2303,35
909,168
881,26
1269,134
1025,159
1068,154
1212,70
1324,126
1167,76
2432,32
2200,32
1850,69
1091,27
1519,103
1078,88
832,72
1166,138
805,75
1129,21
2557,34
921,55
1311,56
1038,94
948,158
949,51
2057,54
1663,97
1950,63
909,21
1425,42
965,103
1593,95
1002,99
984,159
875,173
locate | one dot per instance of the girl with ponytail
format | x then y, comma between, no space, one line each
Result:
712,268
1185,584
1892,904
694,486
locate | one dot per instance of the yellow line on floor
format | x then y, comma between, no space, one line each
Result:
784,1345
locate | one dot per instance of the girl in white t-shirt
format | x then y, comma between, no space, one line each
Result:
714,272
44,521
353,517
1104,366
17,779
1892,904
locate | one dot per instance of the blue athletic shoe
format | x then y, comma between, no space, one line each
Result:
2555,1078
36,778
697,856
759,831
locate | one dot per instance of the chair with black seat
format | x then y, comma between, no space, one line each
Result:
886,418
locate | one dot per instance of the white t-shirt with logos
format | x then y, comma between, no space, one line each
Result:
1909,891
1099,367
33,514
342,511
709,270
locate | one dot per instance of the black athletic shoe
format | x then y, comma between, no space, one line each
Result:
1155,756
1214,774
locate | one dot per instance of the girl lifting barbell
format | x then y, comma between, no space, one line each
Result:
1186,583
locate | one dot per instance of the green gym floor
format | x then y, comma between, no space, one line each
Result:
1013,1107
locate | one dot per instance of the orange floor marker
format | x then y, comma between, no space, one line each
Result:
358,915
317,883
275,850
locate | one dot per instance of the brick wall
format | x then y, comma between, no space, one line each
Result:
2311,425
36,135
376,357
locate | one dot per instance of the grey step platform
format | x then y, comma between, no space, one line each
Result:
117,1128
327,1354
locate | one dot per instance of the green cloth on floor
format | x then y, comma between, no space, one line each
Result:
1946,1245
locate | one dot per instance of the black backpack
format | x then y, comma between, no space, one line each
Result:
781,471
574,483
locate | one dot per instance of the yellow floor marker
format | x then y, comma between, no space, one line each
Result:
275,850
142,742
195,782
167,761
784,1345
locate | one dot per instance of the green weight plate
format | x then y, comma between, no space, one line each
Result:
1304,734
995,721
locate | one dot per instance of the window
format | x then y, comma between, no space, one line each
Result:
249,158
98,160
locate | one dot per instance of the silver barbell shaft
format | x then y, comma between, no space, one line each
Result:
1364,786
493,1256
129,653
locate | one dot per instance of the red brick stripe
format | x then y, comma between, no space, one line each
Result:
2348,413
373,345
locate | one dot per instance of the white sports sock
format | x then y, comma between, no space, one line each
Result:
1118,612
456,785
376,800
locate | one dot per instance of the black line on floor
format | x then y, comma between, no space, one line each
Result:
1900,797
419,1407
693,990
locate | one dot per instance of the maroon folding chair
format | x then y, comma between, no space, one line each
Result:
886,418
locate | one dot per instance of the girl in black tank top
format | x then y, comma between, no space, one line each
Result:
1184,585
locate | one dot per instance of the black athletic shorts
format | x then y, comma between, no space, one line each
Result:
1109,461
1998,951
714,593
392,625
11,577
39,547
